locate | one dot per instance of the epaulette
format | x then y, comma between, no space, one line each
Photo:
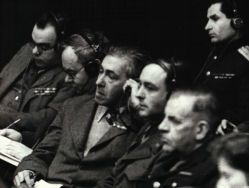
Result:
244,53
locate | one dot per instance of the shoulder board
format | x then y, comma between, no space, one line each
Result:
244,53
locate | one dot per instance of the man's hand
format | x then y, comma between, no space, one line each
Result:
133,101
226,127
11,134
25,177
13,148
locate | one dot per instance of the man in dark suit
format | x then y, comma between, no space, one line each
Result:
34,78
88,135
77,55
148,98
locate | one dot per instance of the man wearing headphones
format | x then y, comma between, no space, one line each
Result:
33,79
226,69
148,97
89,133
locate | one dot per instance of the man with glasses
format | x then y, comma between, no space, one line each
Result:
89,133
33,79
77,54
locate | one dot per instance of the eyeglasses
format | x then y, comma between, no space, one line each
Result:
73,73
41,47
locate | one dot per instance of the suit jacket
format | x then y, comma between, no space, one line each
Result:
34,110
59,157
136,163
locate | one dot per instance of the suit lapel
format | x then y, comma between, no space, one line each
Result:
15,68
82,115
110,134
145,150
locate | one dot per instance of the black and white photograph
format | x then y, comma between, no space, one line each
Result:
124,94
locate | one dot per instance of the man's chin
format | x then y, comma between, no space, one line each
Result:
214,40
100,100
142,113
166,148
40,63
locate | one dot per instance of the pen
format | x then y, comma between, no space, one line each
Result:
15,122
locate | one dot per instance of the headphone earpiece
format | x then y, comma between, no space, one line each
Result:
92,67
237,22
60,22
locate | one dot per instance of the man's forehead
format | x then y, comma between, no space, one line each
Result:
214,9
44,35
115,64
70,59
180,105
154,74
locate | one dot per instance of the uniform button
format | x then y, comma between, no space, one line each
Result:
156,184
174,184
16,98
208,73
149,176
215,57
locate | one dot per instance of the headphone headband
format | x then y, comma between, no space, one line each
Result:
237,21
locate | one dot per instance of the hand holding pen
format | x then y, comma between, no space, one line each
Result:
13,123
11,133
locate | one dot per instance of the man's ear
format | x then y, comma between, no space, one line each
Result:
201,130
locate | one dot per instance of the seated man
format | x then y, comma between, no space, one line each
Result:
86,135
33,79
76,57
191,119
149,98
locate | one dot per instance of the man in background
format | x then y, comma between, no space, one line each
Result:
226,68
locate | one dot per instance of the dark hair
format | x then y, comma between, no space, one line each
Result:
234,148
57,20
134,57
168,66
227,7
206,102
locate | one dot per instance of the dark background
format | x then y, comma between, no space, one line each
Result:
163,28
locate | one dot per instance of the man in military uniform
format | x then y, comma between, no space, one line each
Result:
226,68
190,122
33,79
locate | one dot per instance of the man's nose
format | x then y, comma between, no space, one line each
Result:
164,125
100,81
208,26
36,51
140,93
69,79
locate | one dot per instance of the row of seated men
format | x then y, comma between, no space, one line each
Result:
87,132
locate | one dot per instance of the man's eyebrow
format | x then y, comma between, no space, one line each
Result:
214,16
150,84
111,72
